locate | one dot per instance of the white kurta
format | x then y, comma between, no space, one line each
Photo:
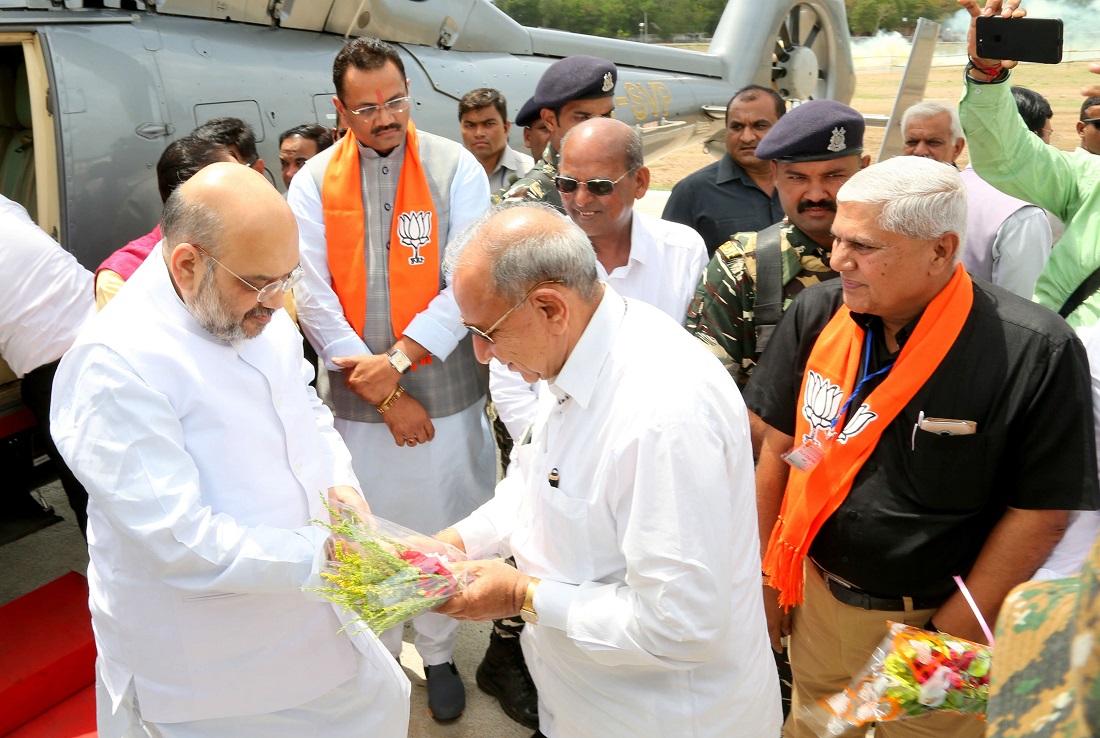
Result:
666,263
429,486
651,620
204,462
46,296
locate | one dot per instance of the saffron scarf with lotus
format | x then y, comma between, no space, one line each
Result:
414,275
831,372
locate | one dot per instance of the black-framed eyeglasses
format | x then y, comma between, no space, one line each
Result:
487,334
1094,121
394,107
269,290
599,187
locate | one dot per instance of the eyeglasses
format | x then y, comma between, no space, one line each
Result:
269,290
598,187
486,335
394,107
1094,121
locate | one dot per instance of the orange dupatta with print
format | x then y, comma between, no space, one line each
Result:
831,373
414,274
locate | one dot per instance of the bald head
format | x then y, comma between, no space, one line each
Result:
604,134
234,198
227,234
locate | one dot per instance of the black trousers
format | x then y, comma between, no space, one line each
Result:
36,389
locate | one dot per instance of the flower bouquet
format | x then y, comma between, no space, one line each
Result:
383,572
911,673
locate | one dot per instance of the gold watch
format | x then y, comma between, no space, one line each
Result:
527,612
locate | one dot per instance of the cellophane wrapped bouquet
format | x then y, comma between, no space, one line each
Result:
911,673
385,573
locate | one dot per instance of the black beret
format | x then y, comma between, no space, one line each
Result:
528,114
814,131
576,77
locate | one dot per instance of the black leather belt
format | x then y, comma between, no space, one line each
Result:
852,595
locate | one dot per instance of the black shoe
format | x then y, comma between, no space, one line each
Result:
446,693
503,674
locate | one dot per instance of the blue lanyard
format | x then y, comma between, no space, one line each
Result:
866,377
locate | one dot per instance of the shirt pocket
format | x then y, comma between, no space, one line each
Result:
950,472
560,533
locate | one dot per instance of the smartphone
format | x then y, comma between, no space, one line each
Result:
1020,39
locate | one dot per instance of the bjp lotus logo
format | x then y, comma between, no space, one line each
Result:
414,229
821,404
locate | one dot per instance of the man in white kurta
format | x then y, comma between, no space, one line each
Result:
184,409
427,458
630,511
656,261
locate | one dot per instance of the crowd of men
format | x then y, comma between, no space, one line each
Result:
889,408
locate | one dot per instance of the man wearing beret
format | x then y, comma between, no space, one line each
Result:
571,91
814,149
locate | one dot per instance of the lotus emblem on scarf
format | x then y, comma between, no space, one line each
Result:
821,404
857,422
414,229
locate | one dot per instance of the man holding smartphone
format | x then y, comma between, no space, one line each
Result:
1009,157
920,425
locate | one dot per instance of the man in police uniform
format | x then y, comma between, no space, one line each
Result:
814,149
571,91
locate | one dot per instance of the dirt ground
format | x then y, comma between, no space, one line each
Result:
875,93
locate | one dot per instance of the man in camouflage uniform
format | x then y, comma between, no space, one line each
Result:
814,149
571,91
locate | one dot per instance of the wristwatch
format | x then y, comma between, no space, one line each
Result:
398,360
527,612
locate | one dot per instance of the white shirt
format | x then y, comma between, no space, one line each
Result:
437,328
650,616
511,166
46,295
1069,555
204,463
666,263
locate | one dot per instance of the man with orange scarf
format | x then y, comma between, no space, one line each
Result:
375,214
921,425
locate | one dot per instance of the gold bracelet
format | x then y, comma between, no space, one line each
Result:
393,397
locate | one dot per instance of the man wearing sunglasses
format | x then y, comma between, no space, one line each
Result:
571,91
375,214
1088,128
642,257
184,409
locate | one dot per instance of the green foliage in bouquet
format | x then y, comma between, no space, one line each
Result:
383,579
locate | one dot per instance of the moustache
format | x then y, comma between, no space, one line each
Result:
383,129
826,204
260,312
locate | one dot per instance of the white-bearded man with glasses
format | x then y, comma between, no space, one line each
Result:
184,409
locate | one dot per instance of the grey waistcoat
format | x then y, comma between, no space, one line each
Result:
442,387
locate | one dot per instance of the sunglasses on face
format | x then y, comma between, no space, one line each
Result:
598,187
1094,121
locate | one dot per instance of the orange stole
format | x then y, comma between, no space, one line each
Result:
414,236
812,496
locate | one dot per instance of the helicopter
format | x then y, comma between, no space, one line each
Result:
92,92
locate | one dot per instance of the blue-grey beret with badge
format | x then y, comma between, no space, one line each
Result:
814,131
577,77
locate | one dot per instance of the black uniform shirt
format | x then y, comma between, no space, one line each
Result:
922,505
